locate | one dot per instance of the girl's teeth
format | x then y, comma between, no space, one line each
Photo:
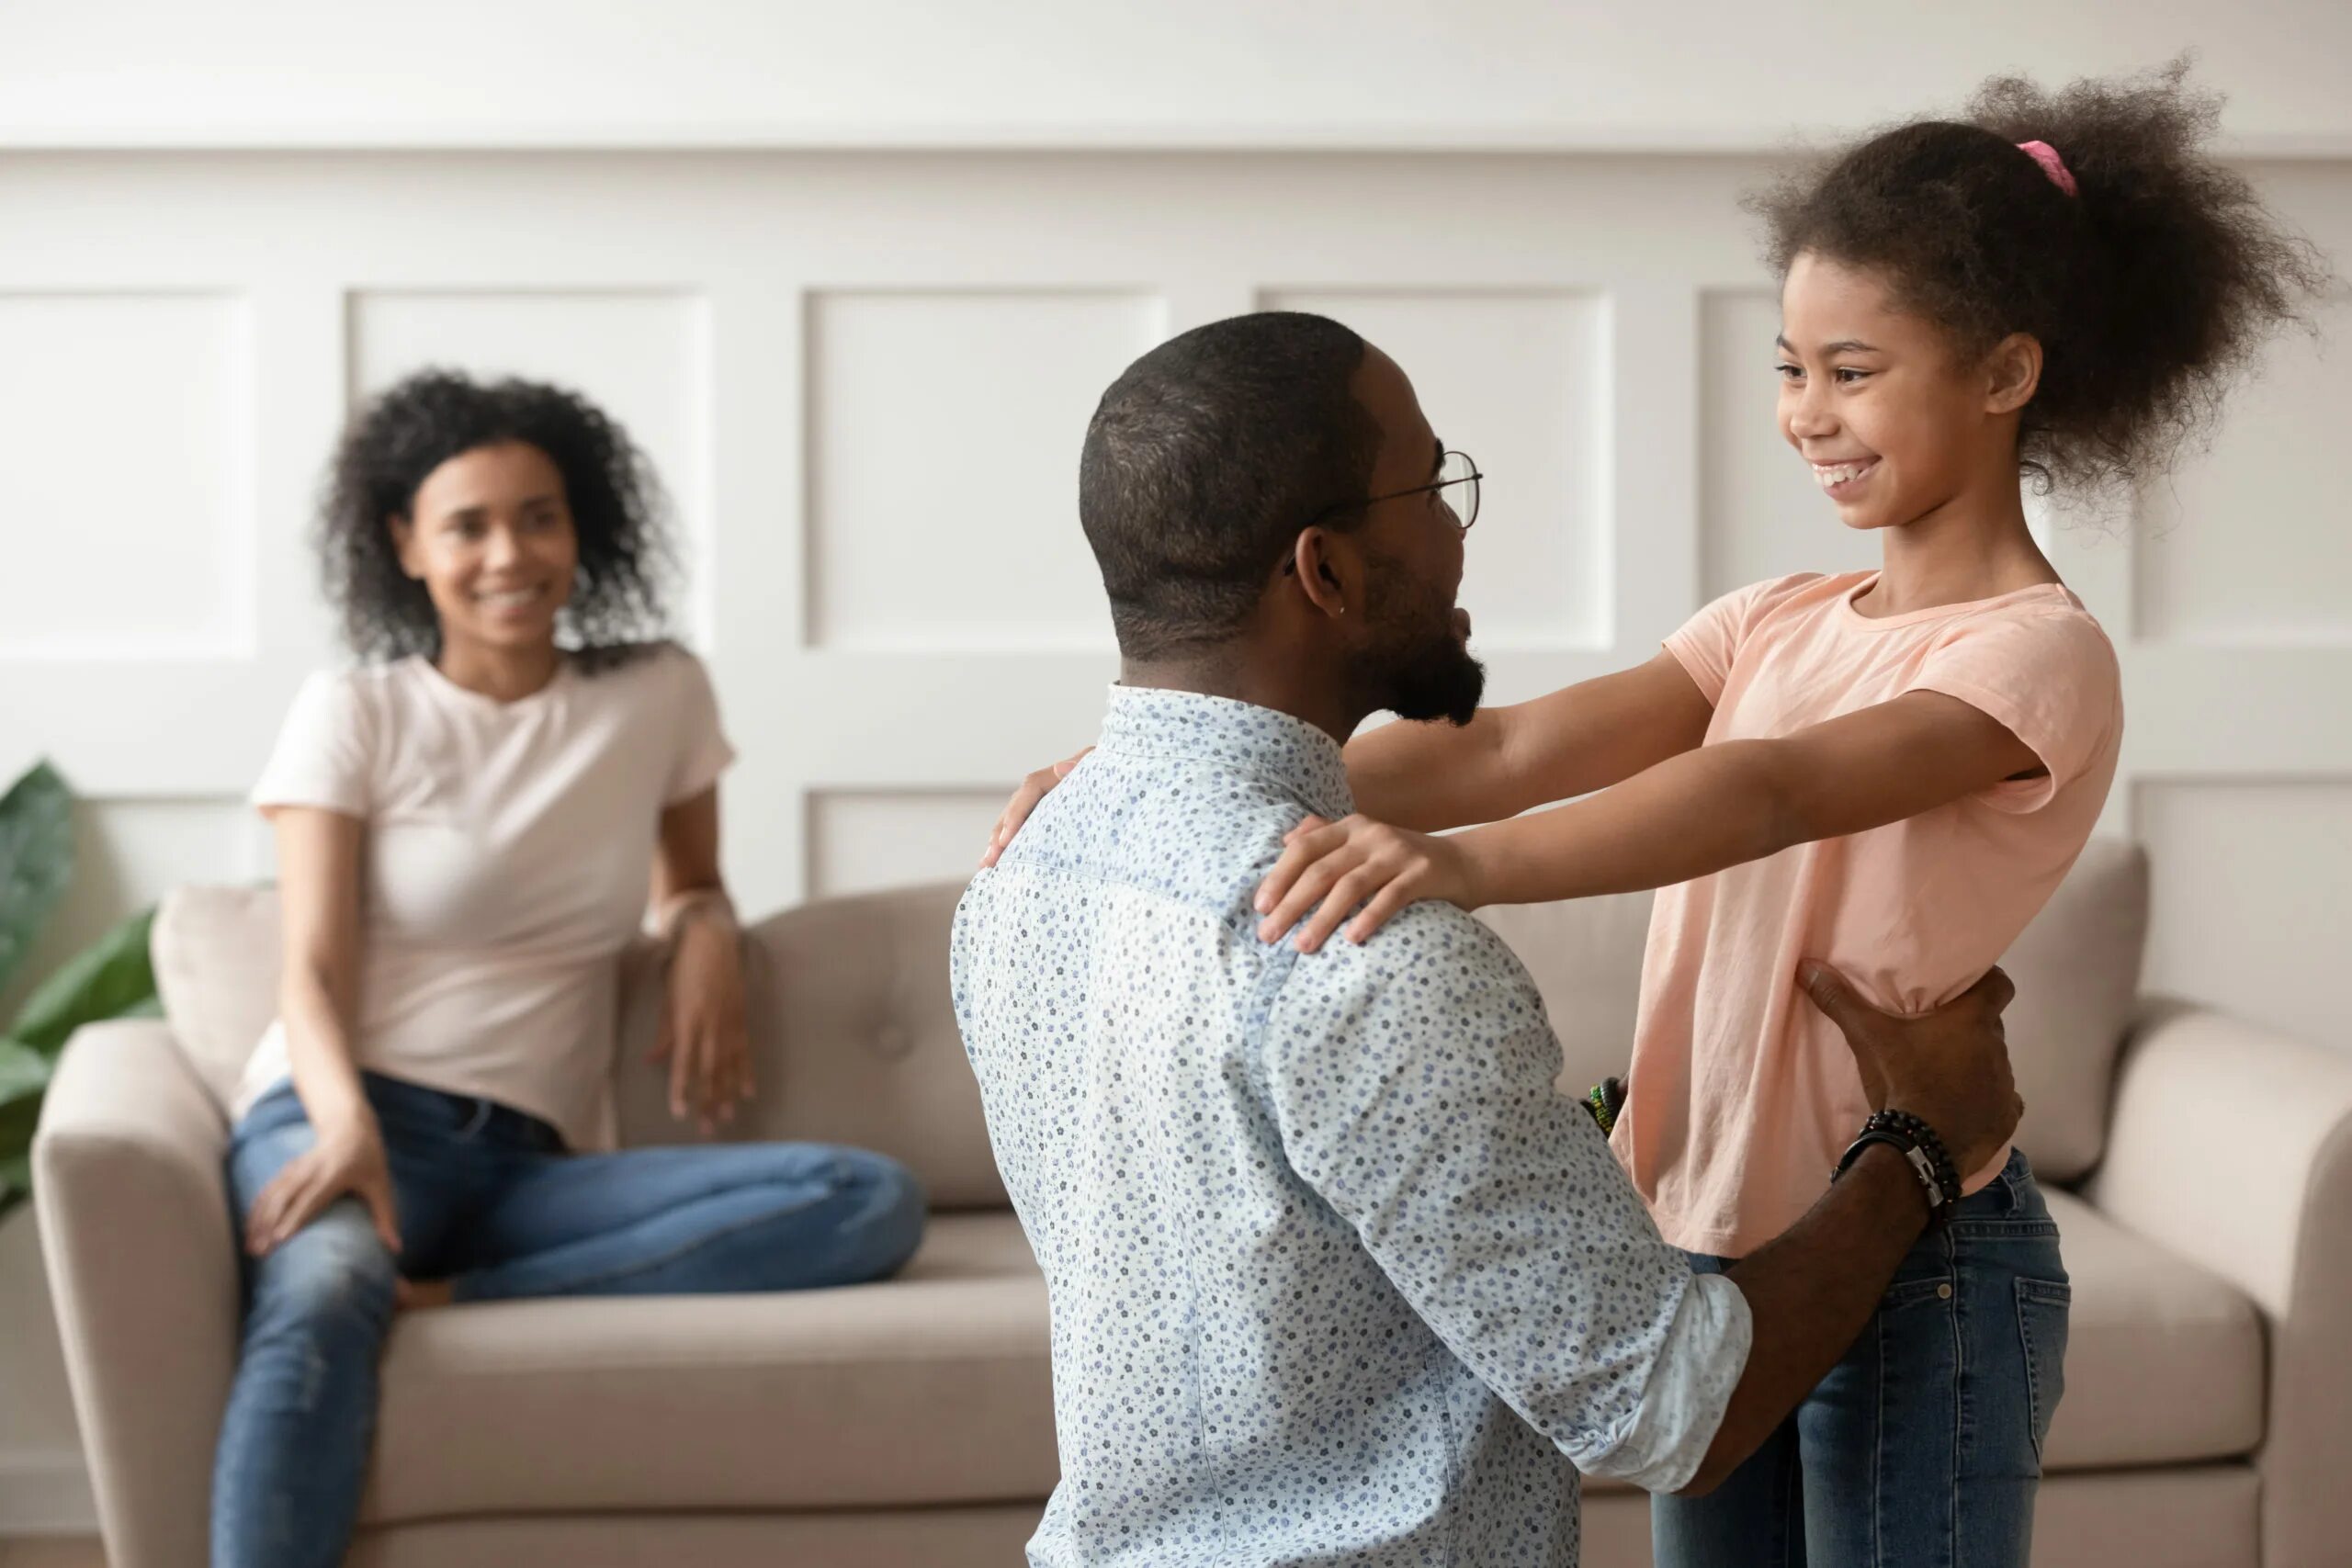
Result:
1830,476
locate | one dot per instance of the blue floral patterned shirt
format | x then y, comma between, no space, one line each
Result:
1336,1274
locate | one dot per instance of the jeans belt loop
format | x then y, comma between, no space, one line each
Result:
477,1121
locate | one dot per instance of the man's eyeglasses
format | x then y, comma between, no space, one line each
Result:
1455,473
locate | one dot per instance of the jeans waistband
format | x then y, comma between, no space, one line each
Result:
466,1116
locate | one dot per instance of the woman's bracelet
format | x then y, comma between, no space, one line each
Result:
683,907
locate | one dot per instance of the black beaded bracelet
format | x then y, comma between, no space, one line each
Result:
1920,1148
1947,1174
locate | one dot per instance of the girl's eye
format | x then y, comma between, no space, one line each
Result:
1788,372
1848,376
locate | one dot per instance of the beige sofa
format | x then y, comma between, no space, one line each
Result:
2208,1226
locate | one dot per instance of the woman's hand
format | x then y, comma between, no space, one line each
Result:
1337,865
1034,788
704,1039
349,1156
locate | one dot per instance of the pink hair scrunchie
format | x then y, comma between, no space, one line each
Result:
2052,164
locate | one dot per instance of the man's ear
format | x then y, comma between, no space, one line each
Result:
1323,572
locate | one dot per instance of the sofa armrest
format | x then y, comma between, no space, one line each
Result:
2232,1145
134,1222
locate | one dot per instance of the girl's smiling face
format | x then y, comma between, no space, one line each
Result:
1894,420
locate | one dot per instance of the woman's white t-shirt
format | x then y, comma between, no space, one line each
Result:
507,862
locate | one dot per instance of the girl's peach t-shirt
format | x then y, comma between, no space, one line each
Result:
1743,1095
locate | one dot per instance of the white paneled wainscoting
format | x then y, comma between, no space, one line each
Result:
864,378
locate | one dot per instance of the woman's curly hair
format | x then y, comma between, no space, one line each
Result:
2150,289
619,511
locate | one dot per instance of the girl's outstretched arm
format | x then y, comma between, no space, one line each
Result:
1692,815
1509,759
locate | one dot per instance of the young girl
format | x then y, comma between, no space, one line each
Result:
468,827
1890,771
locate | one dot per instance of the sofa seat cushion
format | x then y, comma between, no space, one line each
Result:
937,1387
933,1387
2164,1361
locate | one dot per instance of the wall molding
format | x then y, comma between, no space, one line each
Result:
1022,75
1110,139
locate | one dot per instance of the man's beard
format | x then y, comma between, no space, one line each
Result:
1416,667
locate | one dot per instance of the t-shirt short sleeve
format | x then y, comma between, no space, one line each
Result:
703,752
1709,641
2051,678
326,751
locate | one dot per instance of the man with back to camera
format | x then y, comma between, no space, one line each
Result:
1335,1274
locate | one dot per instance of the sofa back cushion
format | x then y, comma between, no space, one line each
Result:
216,952
856,1039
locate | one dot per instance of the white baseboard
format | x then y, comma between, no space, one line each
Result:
45,1494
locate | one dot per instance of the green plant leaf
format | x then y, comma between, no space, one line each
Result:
36,859
23,1071
105,979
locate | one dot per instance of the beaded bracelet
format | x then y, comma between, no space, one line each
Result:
1920,1148
1605,1099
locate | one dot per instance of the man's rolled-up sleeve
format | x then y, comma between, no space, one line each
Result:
1412,1080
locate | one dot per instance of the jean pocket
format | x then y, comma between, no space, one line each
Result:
2043,1308
1905,1295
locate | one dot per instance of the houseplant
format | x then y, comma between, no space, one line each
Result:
111,978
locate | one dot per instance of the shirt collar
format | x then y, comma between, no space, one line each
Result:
1154,721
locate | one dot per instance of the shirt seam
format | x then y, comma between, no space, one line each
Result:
1260,1018
1025,856
1248,769
1847,614
2006,710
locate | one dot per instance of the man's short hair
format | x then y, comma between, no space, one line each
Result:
1204,461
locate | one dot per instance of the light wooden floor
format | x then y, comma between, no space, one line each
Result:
50,1551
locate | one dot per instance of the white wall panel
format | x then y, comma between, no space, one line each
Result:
1761,514
865,377
944,435
2253,899
126,489
2233,550
1515,379
864,840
